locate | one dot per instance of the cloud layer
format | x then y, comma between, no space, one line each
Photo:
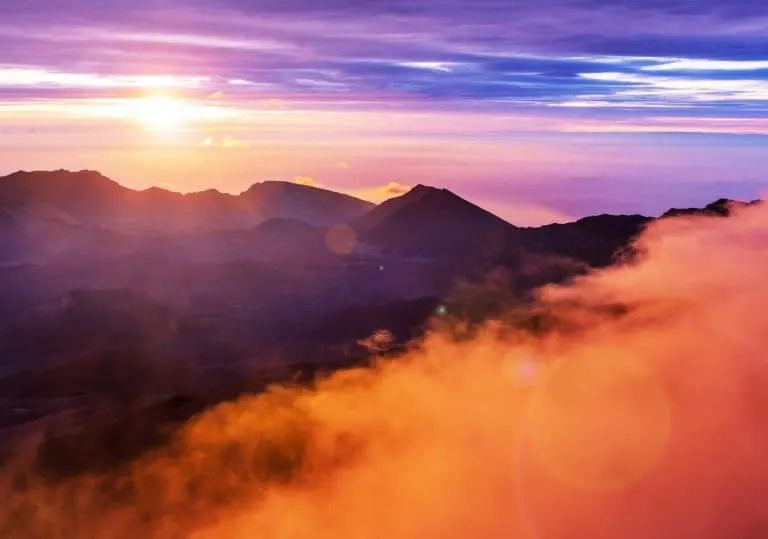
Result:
489,53
634,422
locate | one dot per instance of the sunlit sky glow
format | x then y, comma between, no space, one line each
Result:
541,110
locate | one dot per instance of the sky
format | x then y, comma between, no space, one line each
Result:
541,110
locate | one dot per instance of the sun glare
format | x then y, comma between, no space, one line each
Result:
166,113
160,113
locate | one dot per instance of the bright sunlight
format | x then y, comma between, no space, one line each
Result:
163,113
169,114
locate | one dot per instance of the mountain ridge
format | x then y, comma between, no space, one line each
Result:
435,222
722,207
90,198
19,187
266,283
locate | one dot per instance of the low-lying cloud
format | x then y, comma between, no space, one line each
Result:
305,180
224,142
639,414
380,193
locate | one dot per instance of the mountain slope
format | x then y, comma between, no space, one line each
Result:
311,204
433,222
87,198
720,208
594,241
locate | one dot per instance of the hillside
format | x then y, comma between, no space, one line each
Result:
221,297
87,198
428,221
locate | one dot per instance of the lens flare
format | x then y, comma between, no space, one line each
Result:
341,239
599,421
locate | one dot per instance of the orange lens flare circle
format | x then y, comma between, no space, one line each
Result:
599,421
341,239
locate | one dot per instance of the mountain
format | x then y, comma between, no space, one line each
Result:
277,240
389,208
720,208
433,222
311,204
72,192
87,198
594,241
171,302
89,320
403,319
223,276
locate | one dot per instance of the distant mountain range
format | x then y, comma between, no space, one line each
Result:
91,270
88,198
130,311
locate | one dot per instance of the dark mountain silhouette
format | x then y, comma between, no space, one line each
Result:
720,208
84,191
90,320
284,239
311,204
212,280
594,241
276,240
88,198
403,319
433,222
389,208
125,312
113,373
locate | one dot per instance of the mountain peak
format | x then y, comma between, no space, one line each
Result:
277,198
432,221
75,188
61,175
420,187
269,184
284,186
88,197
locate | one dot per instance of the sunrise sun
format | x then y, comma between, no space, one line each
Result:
169,114
161,113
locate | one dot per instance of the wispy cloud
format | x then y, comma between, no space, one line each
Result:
224,142
680,64
380,193
30,77
309,182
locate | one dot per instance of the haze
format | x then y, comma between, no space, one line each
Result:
383,269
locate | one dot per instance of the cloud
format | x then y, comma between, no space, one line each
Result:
304,180
671,249
634,86
709,65
380,193
436,66
275,104
25,77
169,187
500,52
343,165
224,142
395,189
230,142
649,373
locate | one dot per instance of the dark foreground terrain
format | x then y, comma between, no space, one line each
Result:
125,313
